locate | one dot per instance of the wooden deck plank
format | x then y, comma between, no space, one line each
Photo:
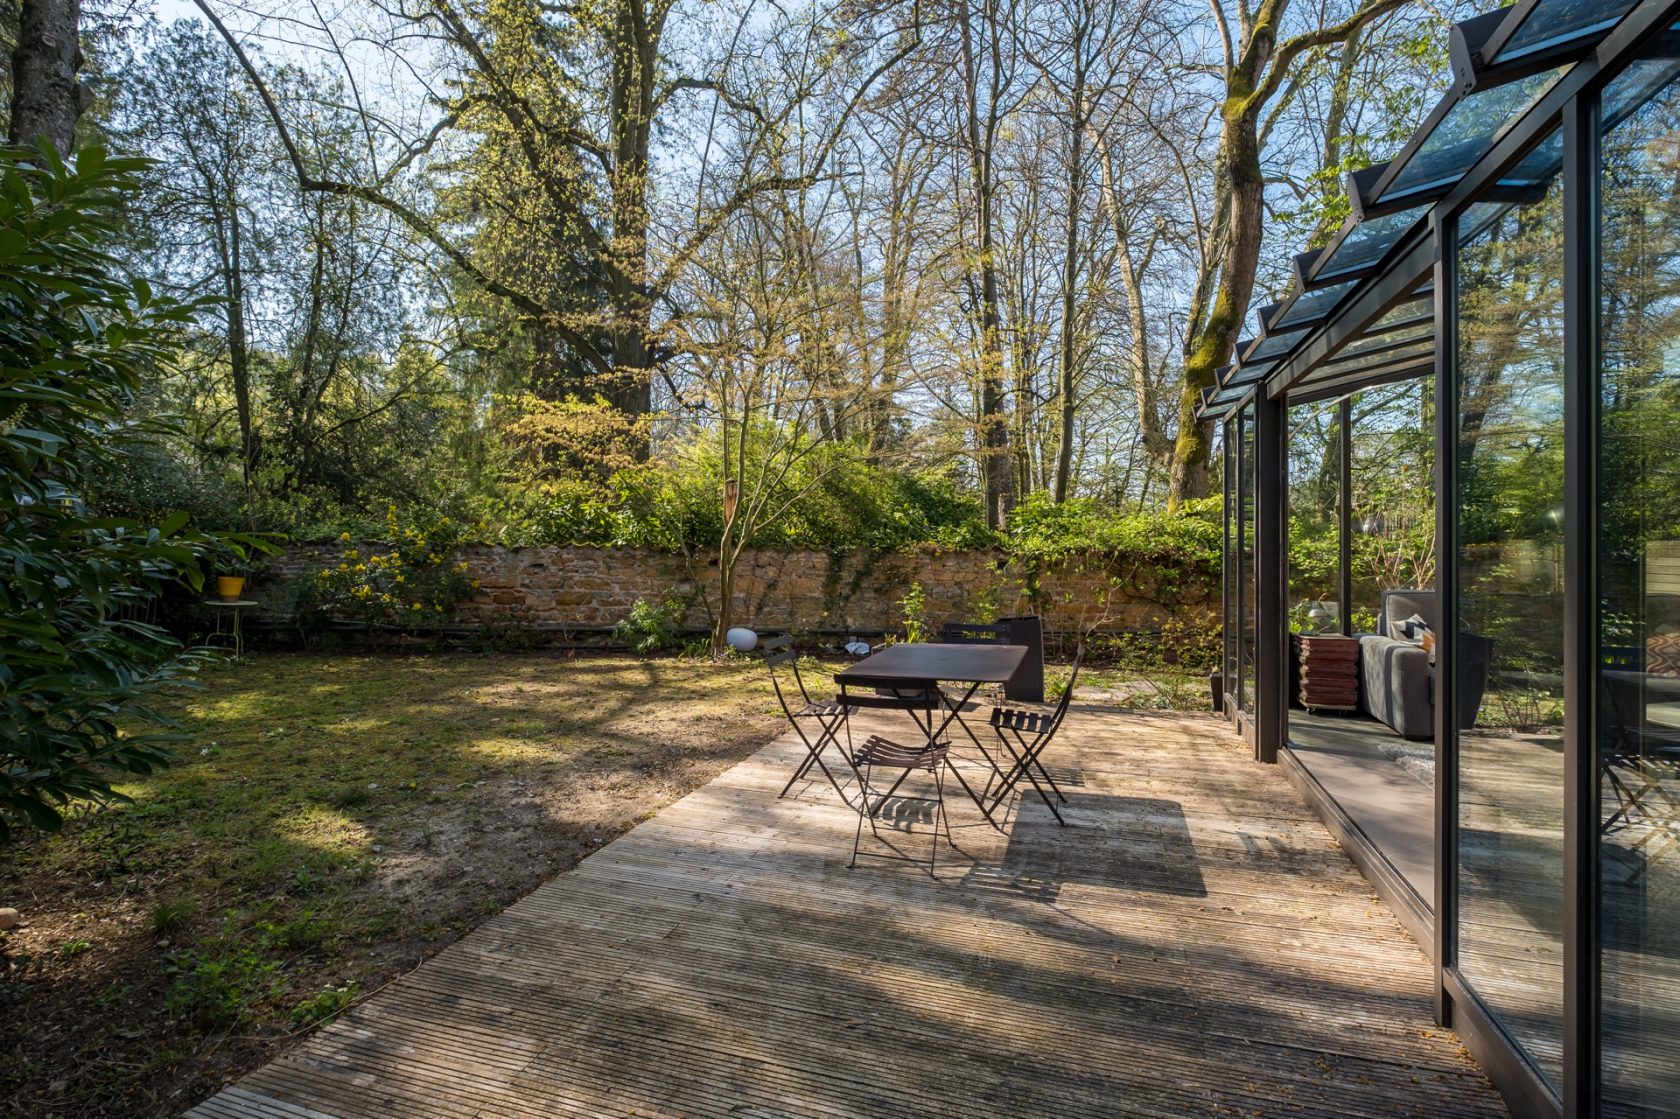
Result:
1193,944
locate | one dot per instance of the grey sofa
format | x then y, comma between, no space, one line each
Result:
1396,678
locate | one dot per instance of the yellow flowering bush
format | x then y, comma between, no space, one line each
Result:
410,579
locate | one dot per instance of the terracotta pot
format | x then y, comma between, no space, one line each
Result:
230,587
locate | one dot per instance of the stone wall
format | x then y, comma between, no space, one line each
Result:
775,590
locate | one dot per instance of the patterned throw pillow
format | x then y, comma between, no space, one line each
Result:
1662,654
1415,631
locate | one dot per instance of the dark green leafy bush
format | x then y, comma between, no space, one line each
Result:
78,670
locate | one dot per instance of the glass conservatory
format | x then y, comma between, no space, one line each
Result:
1452,573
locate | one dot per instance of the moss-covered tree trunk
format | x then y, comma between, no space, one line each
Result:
1255,69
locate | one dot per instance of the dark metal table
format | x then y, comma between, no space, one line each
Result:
908,665
913,672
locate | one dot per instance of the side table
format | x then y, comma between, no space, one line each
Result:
228,612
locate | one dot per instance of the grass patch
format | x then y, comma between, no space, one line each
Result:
334,820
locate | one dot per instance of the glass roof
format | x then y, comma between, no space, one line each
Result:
1310,306
1464,128
1558,21
1274,345
1423,331
1464,135
1365,244
1419,356
1246,374
1636,85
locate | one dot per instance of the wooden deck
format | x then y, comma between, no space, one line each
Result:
1193,944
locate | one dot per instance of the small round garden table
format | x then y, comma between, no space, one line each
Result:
228,612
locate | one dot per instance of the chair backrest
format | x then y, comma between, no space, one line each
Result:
1067,694
974,633
779,653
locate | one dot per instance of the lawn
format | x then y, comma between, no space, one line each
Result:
334,821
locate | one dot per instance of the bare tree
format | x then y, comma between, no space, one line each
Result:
578,92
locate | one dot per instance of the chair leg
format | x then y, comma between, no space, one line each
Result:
939,819
813,753
863,809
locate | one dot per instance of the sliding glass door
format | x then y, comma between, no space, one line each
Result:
1508,644
1638,679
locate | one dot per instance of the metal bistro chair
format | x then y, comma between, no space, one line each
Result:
829,715
1031,732
883,753
977,633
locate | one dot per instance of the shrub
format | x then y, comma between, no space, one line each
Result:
651,629
410,579
914,604
78,338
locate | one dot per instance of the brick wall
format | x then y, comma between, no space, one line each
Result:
776,590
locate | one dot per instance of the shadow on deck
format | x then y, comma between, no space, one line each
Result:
1191,944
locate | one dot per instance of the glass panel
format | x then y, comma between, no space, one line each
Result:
1380,774
1509,641
1315,520
1421,332
1557,21
1639,597
1357,363
1231,621
1245,554
1466,132
1392,474
1366,243
1312,305
1274,345
1416,309
1538,166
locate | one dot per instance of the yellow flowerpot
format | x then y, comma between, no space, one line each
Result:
230,587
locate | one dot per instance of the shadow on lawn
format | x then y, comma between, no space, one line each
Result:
346,816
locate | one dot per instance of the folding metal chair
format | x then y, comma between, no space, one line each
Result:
829,715
1031,732
883,753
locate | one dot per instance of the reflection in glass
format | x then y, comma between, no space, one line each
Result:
1245,554
1230,566
1366,243
1639,596
1469,129
1392,472
1509,644
1315,487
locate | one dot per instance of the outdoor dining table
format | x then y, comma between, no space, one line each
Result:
917,669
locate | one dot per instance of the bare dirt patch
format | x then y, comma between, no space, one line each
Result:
335,821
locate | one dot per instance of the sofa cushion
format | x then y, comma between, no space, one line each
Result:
1412,630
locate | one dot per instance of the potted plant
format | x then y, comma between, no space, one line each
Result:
232,570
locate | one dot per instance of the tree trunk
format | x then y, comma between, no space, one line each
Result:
239,357
1240,159
995,467
47,100
634,72
1070,268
